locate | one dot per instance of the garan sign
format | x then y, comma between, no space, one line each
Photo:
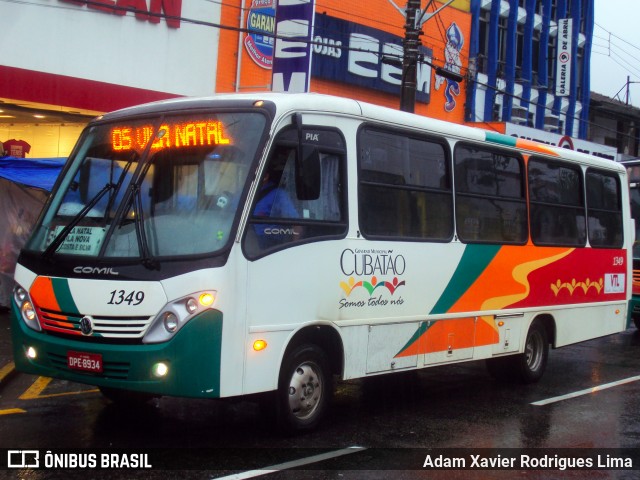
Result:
146,10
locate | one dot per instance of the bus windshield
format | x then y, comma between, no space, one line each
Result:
152,188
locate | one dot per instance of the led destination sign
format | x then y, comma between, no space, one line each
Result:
176,135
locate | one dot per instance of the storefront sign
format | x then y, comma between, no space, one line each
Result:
562,141
563,60
170,10
292,58
352,53
261,22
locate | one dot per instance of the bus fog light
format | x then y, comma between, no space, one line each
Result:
192,306
32,353
160,370
170,322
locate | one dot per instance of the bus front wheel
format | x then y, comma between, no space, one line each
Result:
526,367
304,389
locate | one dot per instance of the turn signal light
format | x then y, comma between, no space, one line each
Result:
206,299
259,345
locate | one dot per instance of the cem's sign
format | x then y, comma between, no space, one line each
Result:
351,53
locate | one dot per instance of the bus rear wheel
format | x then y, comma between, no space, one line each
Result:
304,389
526,367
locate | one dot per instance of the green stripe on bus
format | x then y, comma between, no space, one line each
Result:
424,326
501,139
63,295
474,261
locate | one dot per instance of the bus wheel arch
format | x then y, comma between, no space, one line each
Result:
326,338
529,365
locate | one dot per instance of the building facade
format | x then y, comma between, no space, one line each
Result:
529,63
85,57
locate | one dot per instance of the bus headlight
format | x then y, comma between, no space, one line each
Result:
170,322
192,305
20,295
176,314
27,310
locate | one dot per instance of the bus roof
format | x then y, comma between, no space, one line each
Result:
321,103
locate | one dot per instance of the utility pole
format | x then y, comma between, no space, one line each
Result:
414,19
410,57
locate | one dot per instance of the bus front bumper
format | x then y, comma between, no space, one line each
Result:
192,356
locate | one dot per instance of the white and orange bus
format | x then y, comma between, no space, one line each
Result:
263,244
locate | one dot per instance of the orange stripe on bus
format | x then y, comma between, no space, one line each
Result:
43,295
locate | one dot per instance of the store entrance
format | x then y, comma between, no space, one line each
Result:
32,130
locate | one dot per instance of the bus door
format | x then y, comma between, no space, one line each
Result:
299,207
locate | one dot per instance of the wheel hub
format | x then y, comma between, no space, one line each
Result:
305,390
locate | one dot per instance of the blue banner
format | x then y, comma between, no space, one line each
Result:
292,54
350,53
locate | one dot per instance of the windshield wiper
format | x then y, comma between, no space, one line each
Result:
53,246
123,175
138,217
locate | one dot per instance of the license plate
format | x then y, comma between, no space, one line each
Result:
87,362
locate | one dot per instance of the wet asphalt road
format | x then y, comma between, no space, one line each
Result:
394,419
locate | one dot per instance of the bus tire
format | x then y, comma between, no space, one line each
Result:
126,397
527,367
304,389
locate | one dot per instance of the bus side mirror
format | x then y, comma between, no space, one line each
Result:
308,173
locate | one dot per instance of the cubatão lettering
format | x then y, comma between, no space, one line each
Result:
360,263
171,10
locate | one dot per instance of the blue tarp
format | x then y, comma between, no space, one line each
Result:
37,173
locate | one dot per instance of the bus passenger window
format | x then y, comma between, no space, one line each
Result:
604,209
490,196
405,187
557,207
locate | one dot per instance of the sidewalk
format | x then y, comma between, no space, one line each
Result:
6,354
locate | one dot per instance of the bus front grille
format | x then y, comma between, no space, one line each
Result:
103,327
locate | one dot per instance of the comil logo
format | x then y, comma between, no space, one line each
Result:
23,459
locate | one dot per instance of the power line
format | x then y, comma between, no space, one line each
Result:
247,30
616,36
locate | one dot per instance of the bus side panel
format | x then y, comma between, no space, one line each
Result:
580,324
